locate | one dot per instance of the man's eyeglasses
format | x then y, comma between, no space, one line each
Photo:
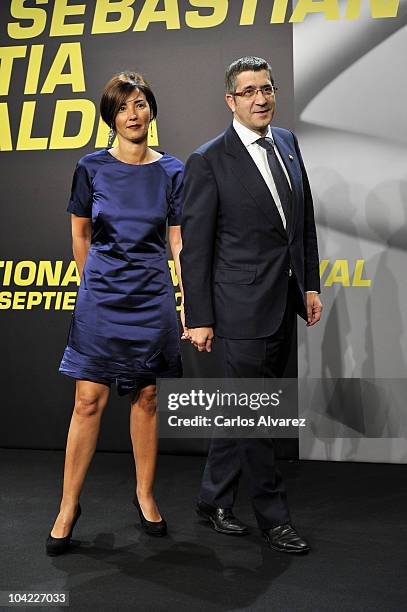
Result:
251,92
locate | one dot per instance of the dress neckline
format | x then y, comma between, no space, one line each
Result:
133,165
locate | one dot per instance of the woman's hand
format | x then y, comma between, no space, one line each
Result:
185,332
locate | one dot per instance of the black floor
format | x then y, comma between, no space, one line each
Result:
354,516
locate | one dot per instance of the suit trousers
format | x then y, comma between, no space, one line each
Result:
228,457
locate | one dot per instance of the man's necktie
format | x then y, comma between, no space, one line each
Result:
280,179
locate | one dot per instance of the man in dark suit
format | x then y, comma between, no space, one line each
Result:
249,266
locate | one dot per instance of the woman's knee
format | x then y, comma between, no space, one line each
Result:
147,400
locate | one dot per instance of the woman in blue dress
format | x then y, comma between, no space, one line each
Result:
124,328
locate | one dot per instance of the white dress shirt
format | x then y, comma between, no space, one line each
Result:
259,156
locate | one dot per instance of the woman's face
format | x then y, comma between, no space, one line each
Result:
133,119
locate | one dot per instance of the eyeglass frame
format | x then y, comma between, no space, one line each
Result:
241,94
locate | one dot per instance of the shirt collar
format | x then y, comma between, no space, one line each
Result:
248,137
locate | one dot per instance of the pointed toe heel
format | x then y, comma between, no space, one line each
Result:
157,529
59,546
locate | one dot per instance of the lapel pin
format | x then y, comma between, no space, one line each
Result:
290,157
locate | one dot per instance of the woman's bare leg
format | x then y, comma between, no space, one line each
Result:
143,431
90,401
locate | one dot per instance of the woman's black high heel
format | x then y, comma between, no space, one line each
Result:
58,546
153,528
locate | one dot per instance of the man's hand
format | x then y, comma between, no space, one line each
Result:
201,338
314,308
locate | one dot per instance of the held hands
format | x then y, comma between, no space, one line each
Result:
200,337
314,308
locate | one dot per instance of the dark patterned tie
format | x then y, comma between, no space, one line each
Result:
280,179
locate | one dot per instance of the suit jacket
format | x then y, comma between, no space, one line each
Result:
236,254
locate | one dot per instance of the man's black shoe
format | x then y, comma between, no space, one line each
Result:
285,539
222,519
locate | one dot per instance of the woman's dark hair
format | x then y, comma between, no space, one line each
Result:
118,89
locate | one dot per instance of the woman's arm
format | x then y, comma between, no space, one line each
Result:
81,237
175,242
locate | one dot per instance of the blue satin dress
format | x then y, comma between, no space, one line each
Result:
124,328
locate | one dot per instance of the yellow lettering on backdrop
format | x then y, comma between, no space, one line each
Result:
33,71
75,78
279,11
69,300
21,278
353,9
173,273
5,300
384,8
152,139
7,272
7,57
33,299
104,8
38,17
322,266
339,273
220,10
149,14
25,141
58,300
48,295
18,302
124,13
358,281
303,7
88,111
61,10
46,270
6,143
71,275
248,13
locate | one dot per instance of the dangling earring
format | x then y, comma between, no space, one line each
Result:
112,136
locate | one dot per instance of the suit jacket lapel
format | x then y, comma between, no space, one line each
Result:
285,151
249,176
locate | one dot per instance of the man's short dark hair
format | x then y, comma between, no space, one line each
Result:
118,89
242,65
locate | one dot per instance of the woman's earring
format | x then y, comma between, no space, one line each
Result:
112,136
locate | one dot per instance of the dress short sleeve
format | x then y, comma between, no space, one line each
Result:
176,198
80,202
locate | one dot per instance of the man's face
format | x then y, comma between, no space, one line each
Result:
254,112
